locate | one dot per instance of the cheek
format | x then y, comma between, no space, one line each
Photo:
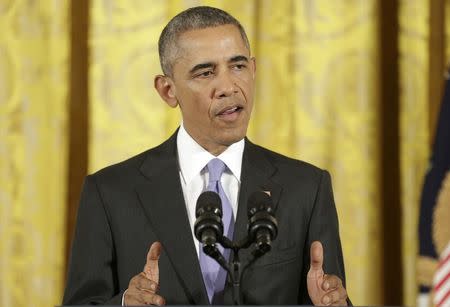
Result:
246,85
200,90
196,103
245,81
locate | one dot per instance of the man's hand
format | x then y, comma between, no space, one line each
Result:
143,287
324,289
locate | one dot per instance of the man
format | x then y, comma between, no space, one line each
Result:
149,200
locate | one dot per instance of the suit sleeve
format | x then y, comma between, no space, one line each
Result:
323,227
92,277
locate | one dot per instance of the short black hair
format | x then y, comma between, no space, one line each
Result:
199,17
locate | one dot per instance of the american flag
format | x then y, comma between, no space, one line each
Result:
434,238
442,280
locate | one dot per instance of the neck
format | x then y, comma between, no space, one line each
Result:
212,147
215,150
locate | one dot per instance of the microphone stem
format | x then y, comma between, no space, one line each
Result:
236,277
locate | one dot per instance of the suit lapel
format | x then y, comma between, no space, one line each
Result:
164,205
256,175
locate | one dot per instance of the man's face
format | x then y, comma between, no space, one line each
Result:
213,82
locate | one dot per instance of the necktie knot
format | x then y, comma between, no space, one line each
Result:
215,169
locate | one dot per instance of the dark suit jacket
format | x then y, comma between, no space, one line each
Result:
126,207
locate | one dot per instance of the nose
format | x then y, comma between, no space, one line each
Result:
225,85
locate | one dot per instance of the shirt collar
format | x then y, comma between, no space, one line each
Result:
193,158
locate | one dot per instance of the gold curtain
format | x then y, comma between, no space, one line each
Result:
414,128
33,89
317,101
318,98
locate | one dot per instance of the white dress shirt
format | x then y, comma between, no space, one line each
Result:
192,160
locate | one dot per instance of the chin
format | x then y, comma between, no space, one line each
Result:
231,137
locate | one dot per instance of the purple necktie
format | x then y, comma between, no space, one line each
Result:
214,275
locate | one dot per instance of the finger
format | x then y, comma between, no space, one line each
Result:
138,297
132,302
332,297
151,299
316,258
145,284
132,298
141,282
340,303
336,297
151,268
342,296
331,282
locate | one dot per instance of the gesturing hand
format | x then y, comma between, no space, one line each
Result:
323,289
143,287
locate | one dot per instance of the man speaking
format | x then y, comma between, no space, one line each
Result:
134,242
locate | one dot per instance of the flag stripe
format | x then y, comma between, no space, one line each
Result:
446,298
446,260
442,292
442,281
443,270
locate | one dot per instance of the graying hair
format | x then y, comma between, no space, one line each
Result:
194,18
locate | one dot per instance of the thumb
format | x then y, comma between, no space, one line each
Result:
315,275
151,268
316,253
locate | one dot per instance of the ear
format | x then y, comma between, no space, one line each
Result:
253,61
166,89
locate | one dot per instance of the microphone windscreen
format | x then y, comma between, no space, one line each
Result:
208,201
259,201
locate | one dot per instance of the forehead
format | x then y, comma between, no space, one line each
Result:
211,44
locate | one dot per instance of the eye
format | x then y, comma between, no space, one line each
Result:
239,66
204,74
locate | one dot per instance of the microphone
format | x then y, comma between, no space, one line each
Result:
263,226
208,227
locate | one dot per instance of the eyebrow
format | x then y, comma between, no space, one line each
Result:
237,58
201,66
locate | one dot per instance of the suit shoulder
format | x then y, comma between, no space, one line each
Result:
290,165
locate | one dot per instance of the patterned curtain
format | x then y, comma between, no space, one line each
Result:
33,151
319,98
414,129
316,100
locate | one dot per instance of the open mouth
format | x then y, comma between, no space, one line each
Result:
230,110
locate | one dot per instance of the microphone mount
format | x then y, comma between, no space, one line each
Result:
262,229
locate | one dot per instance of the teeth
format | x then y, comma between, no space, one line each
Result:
230,110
